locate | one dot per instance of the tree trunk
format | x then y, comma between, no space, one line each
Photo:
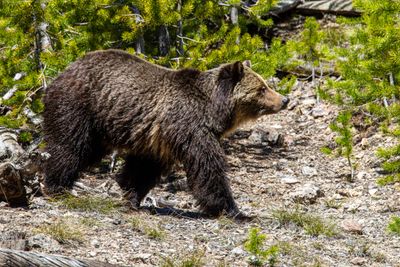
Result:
179,41
19,258
235,19
163,40
139,43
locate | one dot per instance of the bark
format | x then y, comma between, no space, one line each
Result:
235,19
337,7
163,40
139,43
307,72
179,48
19,258
284,6
18,169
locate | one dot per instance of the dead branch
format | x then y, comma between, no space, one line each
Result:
19,258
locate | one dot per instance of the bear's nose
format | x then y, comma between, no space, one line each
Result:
285,102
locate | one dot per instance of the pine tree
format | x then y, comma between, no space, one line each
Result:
39,38
370,69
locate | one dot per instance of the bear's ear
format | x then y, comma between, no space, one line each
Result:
233,72
247,63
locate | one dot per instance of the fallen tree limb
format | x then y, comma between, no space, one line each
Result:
18,169
19,258
305,72
336,7
284,6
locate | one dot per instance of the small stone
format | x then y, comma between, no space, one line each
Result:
353,206
142,256
256,137
95,243
18,76
358,261
309,102
362,175
293,104
352,226
289,179
92,253
364,143
372,191
237,251
309,171
318,112
307,194
45,242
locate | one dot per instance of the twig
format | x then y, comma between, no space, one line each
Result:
187,38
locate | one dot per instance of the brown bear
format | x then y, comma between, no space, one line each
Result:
113,100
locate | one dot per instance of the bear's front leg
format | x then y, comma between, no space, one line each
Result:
205,165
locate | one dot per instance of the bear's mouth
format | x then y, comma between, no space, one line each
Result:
266,111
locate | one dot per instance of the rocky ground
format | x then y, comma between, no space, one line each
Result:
301,198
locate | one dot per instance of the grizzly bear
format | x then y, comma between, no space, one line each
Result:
113,100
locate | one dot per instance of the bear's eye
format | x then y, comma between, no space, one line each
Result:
263,90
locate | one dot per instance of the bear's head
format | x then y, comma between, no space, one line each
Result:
250,95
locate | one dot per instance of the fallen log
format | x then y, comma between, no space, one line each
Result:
336,7
19,258
18,169
284,6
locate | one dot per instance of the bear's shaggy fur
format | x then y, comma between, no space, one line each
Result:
112,100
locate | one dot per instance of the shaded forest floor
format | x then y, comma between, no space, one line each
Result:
278,174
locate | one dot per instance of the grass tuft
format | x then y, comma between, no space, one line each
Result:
152,232
90,203
62,231
394,225
312,224
194,259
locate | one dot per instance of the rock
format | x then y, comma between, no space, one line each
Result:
307,194
10,93
238,251
142,256
359,261
353,206
35,118
372,191
309,102
362,175
95,243
256,137
293,104
13,240
364,143
18,76
260,137
318,112
309,171
352,226
44,242
289,179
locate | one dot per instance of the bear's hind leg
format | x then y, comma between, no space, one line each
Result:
139,175
61,169
68,158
